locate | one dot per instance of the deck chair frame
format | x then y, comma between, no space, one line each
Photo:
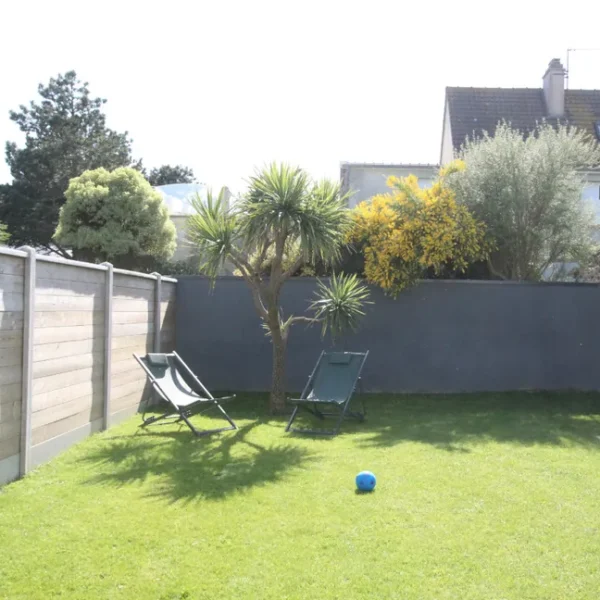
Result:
183,413
313,406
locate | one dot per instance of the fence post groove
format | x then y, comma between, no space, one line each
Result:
27,372
157,311
108,316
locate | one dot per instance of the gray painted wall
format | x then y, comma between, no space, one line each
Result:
438,337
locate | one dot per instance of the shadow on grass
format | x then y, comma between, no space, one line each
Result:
448,422
185,468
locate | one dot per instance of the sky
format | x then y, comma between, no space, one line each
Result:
224,87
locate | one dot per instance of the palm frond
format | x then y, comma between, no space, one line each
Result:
324,221
276,194
212,230
340,305
282,201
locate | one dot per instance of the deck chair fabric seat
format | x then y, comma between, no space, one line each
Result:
332,382
164,370
177,385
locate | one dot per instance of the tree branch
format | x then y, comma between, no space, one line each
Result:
275,281
261,259
277,261
493,270
54,247
241,263
287,324
297,264
253,282
310,320
260,307
552,258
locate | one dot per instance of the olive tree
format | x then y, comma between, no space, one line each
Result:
292,220
527,189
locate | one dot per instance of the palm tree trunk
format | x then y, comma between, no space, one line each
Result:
277,399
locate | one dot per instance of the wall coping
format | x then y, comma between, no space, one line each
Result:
474,282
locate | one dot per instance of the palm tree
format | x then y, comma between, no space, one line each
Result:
285,220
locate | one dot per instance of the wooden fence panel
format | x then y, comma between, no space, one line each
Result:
67,346
11,361
70,364
133,333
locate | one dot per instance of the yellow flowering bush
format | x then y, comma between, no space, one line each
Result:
409,230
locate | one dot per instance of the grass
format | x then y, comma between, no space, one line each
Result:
478,497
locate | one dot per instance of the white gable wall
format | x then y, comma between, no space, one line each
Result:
365,181
447,154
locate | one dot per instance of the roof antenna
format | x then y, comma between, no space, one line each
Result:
569,50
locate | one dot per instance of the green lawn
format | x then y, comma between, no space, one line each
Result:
478,497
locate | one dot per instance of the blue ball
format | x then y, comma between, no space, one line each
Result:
365,481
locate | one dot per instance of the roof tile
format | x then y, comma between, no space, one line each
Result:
475,110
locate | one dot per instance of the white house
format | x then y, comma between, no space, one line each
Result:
469,111
177,197
364,180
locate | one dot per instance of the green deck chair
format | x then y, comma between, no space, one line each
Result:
177,385
332,383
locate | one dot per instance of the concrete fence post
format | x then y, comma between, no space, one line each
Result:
156,338
108,314
157,312
27,371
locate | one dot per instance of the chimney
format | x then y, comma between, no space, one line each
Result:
554,88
